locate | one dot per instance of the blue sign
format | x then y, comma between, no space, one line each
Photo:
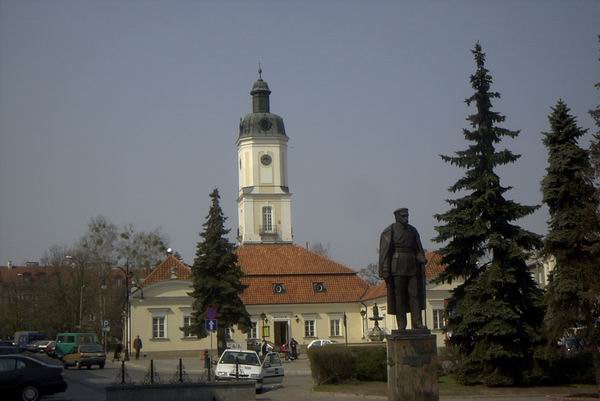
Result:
210,325
211,313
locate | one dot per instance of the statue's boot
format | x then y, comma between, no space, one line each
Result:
415,316
401,321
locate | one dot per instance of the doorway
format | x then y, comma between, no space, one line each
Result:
280,332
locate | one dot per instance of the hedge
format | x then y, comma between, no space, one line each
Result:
338,364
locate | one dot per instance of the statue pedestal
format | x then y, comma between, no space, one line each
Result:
412,366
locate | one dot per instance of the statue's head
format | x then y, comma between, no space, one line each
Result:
401,215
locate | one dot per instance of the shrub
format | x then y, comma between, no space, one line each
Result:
330,364
369,363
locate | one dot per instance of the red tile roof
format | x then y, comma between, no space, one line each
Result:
260,259
163,271
297,269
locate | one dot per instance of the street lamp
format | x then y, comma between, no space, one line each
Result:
127,315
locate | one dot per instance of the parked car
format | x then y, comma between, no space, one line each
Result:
246,365
23,338
86,355
28,378
4,343
67,343
9,349
320,343
38,346
51,349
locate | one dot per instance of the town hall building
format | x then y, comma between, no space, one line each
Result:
291,292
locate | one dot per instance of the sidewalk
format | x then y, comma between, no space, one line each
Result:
196,365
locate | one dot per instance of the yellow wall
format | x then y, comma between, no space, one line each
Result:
170,300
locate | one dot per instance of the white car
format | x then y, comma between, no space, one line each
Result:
320,343
246,365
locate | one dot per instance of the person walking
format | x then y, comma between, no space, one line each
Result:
294,349
137,345
117,353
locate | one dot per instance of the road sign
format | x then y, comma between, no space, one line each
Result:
106,329
210,325
106,323
211,313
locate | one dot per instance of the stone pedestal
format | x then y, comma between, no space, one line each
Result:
412,366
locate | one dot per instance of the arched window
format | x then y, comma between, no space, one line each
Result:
267,218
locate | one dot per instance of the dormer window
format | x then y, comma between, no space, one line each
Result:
173,273
319,287
278,288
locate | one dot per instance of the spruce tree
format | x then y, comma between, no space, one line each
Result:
216,278
494,315
573,233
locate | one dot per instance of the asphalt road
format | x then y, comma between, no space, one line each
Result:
88,385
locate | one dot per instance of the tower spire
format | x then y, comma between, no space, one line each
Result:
259,71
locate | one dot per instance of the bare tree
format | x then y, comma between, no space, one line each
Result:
320,249
370,274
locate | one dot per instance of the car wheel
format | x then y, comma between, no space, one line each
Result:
101,366
30,392
89,366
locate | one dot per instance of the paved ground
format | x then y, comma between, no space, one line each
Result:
88,385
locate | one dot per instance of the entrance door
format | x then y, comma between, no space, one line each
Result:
281,332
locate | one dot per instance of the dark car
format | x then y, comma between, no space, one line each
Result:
27,378
86,355
9,349
4,343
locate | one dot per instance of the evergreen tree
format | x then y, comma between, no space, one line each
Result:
574,231
595,147
217,278
494,315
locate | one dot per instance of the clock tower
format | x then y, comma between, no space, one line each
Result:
264,199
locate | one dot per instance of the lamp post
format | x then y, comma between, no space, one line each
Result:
81,306
127,314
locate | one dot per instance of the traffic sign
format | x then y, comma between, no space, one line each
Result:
211,313
106,329
211,325
106,323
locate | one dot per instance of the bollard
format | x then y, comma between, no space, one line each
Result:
123,372
180,371
237,368
151,371
209,366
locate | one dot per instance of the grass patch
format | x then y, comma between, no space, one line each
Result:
449,388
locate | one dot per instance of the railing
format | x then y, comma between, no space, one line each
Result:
268,230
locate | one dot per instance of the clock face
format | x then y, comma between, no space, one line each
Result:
265,124
265,160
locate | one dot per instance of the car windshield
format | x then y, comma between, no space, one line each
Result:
91,348
243,358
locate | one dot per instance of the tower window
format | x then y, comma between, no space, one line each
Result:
267,218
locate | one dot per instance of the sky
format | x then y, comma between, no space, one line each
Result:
130,109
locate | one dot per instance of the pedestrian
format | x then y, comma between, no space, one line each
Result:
137,345
264,348
294,348
117,353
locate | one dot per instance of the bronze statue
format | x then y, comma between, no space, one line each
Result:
402,266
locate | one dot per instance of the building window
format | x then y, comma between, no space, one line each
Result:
267,218
158,327
278,288
438,319
319,287
253,333
335,328
309,328
187,327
